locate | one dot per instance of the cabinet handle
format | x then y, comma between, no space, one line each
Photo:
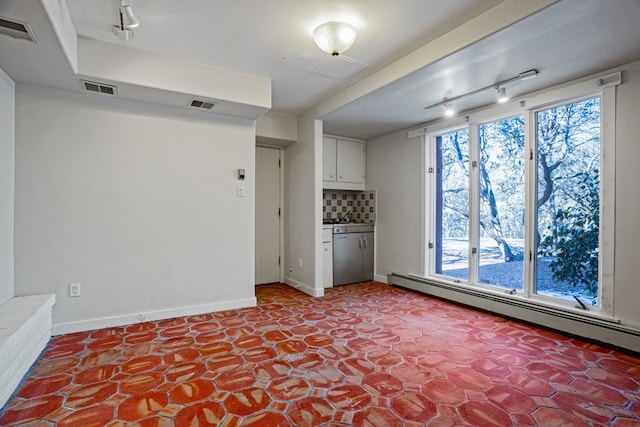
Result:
360,243
340,176
365,243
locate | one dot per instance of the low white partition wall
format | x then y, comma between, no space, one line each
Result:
25,330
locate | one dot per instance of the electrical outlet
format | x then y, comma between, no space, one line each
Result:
74,289
240,191
290,269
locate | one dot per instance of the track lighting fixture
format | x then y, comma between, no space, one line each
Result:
502,95
128,21
499,86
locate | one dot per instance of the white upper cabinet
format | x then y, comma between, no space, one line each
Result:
342,163
350,161
328,159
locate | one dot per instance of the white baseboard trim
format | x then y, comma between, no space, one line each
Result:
380,278
149,316
307,289
577,324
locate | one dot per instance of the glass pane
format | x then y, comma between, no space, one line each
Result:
452,204
568,200
501,177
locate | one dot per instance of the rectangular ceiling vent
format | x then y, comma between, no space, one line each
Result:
201,104
17,30
99,87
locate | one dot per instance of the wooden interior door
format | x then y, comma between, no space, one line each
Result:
267,215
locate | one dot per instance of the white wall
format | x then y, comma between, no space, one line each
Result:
7,146
627,291
276,129
393,169
137,203
303,209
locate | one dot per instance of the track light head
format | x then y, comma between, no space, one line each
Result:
129,20
502,95
448,110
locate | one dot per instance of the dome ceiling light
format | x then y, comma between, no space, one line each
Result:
335,38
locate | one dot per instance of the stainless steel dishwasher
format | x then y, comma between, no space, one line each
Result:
352,253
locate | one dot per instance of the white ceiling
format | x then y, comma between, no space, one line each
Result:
570,39
273,39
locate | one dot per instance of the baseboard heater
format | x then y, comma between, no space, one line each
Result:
584,326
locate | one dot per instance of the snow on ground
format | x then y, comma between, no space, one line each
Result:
508,275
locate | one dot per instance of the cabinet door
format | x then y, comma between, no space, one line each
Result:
327,264
367,256
328,159
350,161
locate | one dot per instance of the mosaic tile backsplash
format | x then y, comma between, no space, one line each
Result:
362,204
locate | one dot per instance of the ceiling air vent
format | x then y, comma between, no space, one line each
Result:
204,105
99,87
17,30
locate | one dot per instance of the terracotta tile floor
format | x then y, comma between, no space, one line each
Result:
364,355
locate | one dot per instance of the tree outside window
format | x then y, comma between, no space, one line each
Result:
567,202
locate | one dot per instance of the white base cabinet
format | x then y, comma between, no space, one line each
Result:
327,257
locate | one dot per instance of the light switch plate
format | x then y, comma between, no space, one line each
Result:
240,191
74,289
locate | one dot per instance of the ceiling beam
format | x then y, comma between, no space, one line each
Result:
490,22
